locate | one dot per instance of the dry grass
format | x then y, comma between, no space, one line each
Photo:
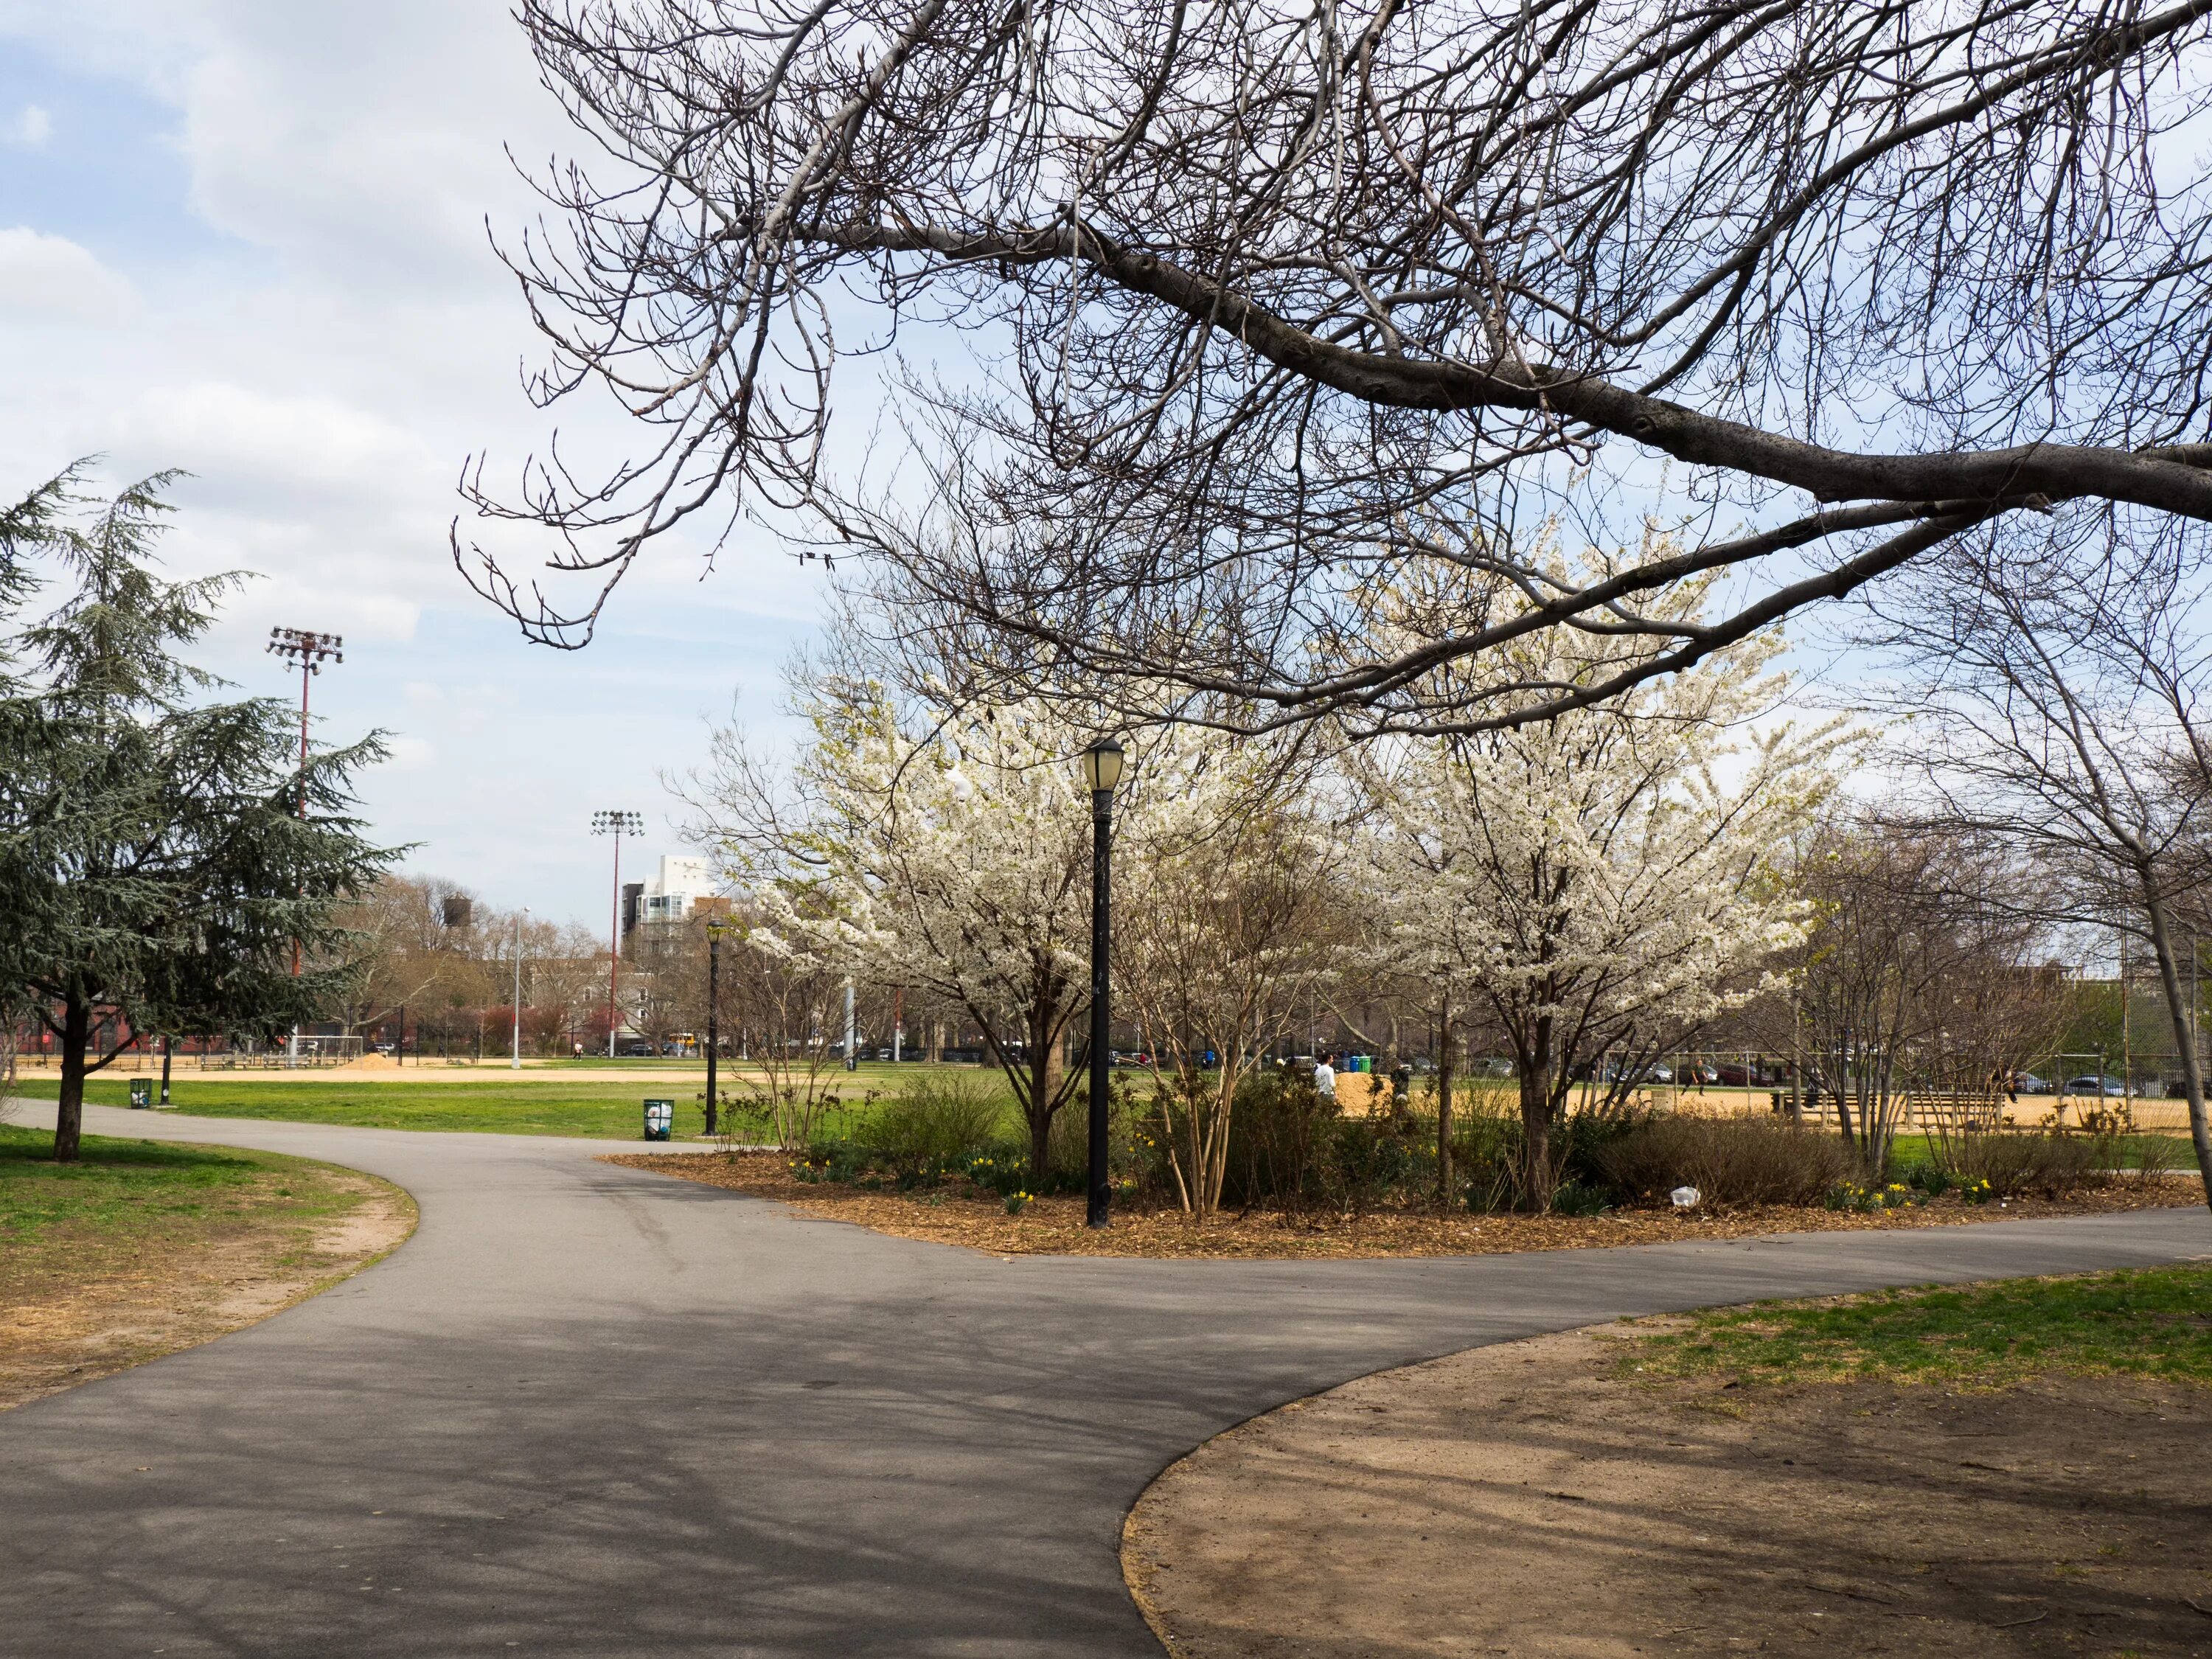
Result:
1053,1226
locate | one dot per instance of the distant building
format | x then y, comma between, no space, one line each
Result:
681,886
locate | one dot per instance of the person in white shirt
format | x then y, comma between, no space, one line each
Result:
1325,1079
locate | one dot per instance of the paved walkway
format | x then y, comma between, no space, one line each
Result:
591,1410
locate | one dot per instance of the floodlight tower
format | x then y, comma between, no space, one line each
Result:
617,824
308,650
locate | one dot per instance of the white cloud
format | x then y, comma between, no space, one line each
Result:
323,335
29,129
46,278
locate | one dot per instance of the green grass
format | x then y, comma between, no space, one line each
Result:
2154,1321
2161,1152
600,1108
127,1202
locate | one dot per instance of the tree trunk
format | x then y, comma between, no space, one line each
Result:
1536,1122
1444,1110
68,1108
1044,1085
2184,1034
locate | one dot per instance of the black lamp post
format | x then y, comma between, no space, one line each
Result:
714,1027
1102,771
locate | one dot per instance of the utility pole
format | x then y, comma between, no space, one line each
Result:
615,823
308,650
516,1064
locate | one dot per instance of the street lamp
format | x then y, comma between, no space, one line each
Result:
714,932
617,824
516,1063
1102,771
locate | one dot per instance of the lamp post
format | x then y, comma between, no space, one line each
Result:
714,931
516,1062
1102,771
617,824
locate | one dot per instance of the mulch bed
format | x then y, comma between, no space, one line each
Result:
1053,1226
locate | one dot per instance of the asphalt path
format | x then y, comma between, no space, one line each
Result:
591,1410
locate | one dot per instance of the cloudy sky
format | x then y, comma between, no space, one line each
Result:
247,238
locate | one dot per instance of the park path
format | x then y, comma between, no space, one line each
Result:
591,1411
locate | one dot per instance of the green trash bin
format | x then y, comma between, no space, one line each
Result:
142,1094
660,1119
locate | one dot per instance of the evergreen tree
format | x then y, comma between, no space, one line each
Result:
161,856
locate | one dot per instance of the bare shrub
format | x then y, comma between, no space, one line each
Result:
2020,1162
1730,1161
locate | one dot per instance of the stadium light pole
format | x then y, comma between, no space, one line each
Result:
617,824
309,651
1102,771
516,1064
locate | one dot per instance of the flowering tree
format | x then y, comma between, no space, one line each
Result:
1592,879
921,847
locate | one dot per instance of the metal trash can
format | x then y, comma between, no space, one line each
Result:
660,1119
142,1094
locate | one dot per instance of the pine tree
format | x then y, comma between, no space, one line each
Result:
160,852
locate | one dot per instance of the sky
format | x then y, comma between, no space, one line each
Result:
248,238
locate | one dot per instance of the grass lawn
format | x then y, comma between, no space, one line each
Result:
2153,1322
142,1248
127,1197
600,1109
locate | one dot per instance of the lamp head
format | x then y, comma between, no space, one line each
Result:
1102,766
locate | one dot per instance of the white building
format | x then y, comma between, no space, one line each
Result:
670,894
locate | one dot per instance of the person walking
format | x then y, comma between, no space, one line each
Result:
1325,1078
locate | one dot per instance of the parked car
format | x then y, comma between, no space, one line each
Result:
2109,1087
2027,1082
636,1051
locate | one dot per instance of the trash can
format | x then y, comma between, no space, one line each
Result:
660,1119
142,1094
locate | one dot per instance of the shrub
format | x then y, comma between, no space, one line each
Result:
1281,1143
1730,1161
2015,1161
936,1122
1572,1197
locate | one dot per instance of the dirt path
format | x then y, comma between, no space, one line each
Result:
1519,1499
162,1300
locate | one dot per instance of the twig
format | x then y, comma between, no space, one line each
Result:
2014,1624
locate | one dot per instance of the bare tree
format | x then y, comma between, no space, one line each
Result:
786,1008
1227,937
1265,303
1923,970
2062,698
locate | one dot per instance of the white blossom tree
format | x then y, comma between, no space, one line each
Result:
1602,880
918,845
